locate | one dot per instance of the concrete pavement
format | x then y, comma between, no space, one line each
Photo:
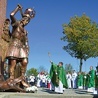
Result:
46,93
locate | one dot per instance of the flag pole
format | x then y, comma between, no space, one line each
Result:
49,55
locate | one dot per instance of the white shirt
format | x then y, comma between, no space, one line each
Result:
74,76
68,76
32,78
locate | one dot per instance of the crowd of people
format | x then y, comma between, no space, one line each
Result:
73,80
41,80
82,80
58,80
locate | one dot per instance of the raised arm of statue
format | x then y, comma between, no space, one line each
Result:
20,7
13,19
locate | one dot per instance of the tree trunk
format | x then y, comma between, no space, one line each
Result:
80,70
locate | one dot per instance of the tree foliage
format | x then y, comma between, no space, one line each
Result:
81,35
68,68
32,71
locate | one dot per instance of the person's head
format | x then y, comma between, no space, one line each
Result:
84,73
79,73
28,14
7,21
60,64
68,72
73,71
97,67
91,67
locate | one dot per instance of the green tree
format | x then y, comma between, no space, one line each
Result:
81,36
68,68
32,71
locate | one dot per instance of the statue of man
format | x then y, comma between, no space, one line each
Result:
18,47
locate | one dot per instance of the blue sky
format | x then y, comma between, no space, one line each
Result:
45,30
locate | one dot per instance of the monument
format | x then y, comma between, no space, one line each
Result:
14,49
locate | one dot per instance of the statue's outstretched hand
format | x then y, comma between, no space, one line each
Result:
19,6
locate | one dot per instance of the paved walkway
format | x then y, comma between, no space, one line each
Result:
46,93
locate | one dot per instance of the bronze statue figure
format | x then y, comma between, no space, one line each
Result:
18,48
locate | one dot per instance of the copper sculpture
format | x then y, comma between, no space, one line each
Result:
18,48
